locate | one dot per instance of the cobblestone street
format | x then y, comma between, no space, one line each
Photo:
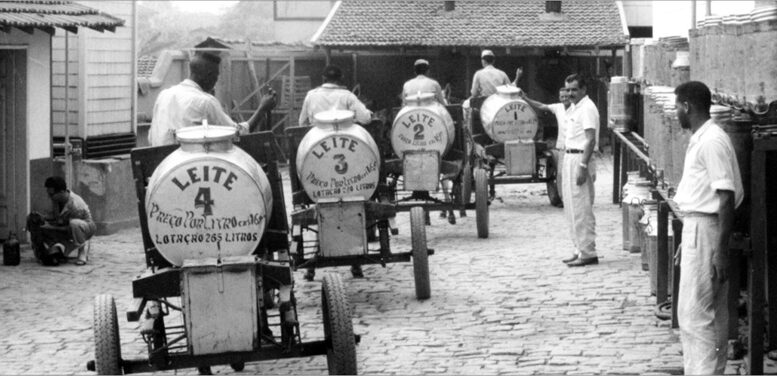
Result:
502,305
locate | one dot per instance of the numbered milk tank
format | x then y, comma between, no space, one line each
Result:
208,198
507,117
422,124
337,158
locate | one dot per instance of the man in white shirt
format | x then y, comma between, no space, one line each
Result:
485,80
708,193
332,96
560,111
422,84
581,131
190,102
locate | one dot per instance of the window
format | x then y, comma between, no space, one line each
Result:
553,6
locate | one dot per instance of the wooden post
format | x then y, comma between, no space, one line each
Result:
616,169
328,56
355,68
293,85
755,286
677,230
662,266
614,54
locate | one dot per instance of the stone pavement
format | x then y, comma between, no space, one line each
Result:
502,305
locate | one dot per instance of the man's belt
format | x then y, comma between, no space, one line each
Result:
574,151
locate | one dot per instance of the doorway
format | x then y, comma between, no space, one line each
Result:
13,141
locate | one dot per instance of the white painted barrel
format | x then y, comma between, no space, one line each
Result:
209,198
337,158
423,124
507,117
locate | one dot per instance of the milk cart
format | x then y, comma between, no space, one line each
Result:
334,181
504,126
429,147
218,284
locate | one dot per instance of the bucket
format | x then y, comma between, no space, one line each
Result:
632,177
11,250
637,195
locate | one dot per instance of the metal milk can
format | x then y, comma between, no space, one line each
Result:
208,199
507,117
423,124
338,158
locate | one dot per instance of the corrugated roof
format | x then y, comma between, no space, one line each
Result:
472,23
46,14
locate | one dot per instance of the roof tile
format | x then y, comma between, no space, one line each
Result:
497,23
52,13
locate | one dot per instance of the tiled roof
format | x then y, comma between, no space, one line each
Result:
472,23
146,65
47,14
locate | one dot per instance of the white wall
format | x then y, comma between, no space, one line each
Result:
638,13
672,18
38,46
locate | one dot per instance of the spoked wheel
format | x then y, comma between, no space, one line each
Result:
107,347
552,185
423,289
481,202
338,329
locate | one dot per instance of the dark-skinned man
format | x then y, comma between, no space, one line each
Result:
709,192
190,102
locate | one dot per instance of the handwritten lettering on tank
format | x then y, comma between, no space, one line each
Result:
513,121
205,208
339,166
419,129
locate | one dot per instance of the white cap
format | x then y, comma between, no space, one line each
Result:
486,53
421,62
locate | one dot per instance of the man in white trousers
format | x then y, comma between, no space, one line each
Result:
579,171
708,193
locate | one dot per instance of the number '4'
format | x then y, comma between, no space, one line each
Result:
203,200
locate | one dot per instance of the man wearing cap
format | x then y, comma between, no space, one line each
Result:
190,102
331,95
485,80
422,84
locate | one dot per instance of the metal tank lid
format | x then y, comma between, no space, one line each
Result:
618,80
508,90
205,134
419,98
334,117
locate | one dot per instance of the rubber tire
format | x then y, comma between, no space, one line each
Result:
107,346
466,184
481,202
423,289
238,367
338,328
553,194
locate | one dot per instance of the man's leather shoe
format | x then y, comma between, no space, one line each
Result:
584,262
573,258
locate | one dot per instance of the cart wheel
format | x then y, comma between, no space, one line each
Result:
481,202
238,366
338,329
423,288
466,184
107,348
552,187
